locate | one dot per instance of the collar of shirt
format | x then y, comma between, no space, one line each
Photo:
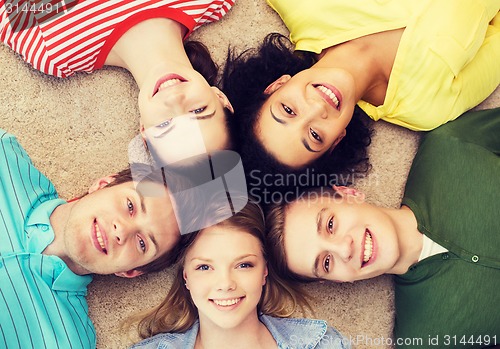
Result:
39,235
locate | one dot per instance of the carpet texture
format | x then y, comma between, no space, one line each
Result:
79,129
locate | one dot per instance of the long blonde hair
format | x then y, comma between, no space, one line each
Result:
177,312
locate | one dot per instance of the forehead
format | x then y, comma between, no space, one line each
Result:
301,239
223,242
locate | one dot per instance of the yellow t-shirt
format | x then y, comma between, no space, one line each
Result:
448,60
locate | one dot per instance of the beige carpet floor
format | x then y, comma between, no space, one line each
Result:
79,129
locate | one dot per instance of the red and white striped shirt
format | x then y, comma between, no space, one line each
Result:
61,37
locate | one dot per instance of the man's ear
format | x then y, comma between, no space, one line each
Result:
337,141
223,99
347,192
129,274
275,85
101,183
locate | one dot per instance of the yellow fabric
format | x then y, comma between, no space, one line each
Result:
448,60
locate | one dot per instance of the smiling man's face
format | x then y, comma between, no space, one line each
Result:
116,229
339,238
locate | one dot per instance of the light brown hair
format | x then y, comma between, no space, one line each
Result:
177,312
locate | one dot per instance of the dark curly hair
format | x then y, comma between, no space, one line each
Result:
244,79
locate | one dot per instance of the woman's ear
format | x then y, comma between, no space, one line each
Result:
184,275
266,272
223,99
275,85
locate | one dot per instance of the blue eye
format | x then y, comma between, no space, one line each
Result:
245,265
130,206
198,110
203,267
142,245
164,123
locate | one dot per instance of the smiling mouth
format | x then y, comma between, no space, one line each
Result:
368,248
227,302
100,240
331,94
168,81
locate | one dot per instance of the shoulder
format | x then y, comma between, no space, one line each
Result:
10,146
303,333
184,340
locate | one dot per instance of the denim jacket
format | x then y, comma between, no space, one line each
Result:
288,333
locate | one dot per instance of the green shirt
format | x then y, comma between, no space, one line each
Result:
453,299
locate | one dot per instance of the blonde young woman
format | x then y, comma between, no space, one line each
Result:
226,296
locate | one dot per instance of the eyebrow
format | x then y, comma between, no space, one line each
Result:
275,117
306,145
204,117
236,259
283,122
319,225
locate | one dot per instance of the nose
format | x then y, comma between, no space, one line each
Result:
316,108
343,247
172,99
225,281
122,232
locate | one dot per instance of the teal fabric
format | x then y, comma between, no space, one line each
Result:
42,302
453,299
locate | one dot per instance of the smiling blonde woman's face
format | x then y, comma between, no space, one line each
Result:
225,271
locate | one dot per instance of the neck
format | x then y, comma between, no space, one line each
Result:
374,56
409,237
147,44
249,334
57,247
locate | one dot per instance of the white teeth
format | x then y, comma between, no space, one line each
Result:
368,247
169,83
99,237
329,93
227,302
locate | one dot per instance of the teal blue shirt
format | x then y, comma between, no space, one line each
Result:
42,302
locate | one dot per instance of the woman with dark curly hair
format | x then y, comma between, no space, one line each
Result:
245,79
299,108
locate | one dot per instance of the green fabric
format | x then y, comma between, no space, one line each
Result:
454,191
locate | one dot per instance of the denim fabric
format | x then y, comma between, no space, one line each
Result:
289,334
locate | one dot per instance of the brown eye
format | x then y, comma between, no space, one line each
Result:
315,135
330,225
327,264
288,110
